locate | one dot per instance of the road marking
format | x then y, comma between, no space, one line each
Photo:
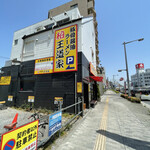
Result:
101,139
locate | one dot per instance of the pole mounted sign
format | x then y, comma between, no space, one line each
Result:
10,98
55,123
58,100
65,49
21,138
31,99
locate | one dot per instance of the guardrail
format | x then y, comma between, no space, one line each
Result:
79,112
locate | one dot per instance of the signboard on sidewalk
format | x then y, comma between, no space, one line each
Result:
10,98
43,66
31,99
58,100
54,123
5,80
65,49
21,138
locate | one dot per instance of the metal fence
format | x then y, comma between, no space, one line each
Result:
79,112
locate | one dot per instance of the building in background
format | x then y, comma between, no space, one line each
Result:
53,58
142,77
86,9
102,85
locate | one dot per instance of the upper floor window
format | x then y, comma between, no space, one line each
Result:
49,26
16,42
29,47
90,11
62,21
74,6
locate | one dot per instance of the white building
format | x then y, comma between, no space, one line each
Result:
142,77
44,69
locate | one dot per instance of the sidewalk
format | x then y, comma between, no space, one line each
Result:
111,125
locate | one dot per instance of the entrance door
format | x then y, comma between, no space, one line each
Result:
86,95
94,91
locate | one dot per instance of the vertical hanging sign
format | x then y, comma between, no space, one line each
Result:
79,87
65,49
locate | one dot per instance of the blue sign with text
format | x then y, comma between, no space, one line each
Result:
54,123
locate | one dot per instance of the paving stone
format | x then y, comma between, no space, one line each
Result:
128,127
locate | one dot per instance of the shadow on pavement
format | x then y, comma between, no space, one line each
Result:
130,142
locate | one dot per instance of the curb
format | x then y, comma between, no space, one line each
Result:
145,105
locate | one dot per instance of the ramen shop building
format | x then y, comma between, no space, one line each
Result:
53,58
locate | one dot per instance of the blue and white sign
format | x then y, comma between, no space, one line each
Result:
70,60
54,123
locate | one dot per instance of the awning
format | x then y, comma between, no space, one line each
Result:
97,78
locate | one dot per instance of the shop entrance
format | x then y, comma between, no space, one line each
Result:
94,91
86,95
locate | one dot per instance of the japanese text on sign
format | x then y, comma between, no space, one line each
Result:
93,70
58,100
10,98
65,51
44,66
31,99
79,87
22,138
5,80
55,123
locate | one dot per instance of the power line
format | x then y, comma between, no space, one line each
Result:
4,57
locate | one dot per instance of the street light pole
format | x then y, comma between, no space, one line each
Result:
129,93
114,78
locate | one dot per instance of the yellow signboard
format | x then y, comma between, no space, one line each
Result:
65,49
93,70
58,98
79,87
21,138
89,88
43,66
5,80
10,98
31,99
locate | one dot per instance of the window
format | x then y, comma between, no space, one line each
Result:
29,47
16,42
90,11
39,28
27,85
62,21
49,26
74,6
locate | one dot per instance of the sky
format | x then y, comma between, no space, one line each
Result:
118,21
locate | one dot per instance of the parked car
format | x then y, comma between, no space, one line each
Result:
145,97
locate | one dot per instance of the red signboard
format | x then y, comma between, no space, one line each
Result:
96,78
139,66
121,79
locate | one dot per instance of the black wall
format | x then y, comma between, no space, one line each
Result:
44,87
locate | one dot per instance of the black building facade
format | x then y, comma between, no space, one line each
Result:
46,87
